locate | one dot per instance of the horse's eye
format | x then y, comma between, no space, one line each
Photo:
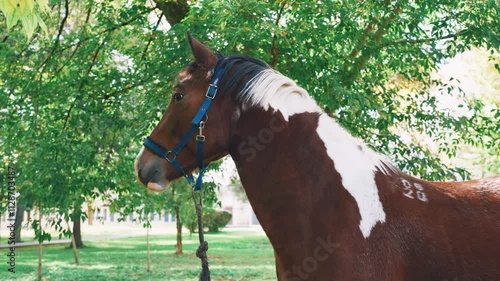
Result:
177,96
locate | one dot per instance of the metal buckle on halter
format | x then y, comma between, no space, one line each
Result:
200,136
211,92
170,159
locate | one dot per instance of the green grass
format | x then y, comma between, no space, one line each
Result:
232,256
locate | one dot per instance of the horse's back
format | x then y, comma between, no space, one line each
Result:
483,193
466,228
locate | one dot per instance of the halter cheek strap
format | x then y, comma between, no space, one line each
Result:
197,124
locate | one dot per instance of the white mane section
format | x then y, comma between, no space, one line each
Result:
353,160
272,89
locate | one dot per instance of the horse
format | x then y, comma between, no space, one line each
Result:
332,208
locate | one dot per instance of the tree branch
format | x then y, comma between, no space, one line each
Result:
87,18
79,44
362,40
128,88
144,52
360,62
360,43
115,27
423,40
82,83
273,44
59,32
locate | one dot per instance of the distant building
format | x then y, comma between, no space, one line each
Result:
242,212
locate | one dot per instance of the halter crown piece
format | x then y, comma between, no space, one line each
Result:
197,124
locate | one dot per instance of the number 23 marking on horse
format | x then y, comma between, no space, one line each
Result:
410,190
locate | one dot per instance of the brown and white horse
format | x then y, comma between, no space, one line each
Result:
332,208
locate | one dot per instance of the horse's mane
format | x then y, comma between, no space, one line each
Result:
252,81
238,71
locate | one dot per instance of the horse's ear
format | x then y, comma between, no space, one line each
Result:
202,55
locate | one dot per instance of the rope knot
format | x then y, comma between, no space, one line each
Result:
198,208
201,252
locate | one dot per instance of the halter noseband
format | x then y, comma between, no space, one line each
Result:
197,124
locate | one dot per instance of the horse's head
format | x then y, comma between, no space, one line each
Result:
188,95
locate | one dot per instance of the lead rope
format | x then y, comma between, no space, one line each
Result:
201,252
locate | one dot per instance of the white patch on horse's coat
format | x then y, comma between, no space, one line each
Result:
357,168
184,78
353,160
157,186
272,89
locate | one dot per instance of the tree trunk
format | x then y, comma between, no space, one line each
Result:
174,10
40,246
39,261
75,251
178,224
90,214
77,231
18,224
147,249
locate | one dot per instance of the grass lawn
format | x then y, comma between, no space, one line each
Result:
232,256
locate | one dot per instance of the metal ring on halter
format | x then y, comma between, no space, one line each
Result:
204,121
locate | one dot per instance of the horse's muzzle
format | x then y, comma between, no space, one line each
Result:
150,174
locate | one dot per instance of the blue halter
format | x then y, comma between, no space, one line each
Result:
197,124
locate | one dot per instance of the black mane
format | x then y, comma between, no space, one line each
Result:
238,70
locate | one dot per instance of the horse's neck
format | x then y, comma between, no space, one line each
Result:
297,192
318,194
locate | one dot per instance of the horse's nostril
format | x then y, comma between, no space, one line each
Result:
147,176
142,178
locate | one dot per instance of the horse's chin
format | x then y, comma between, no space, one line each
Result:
158,186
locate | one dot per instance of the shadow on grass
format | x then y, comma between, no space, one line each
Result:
232,256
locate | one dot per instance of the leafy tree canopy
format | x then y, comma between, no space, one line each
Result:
77,102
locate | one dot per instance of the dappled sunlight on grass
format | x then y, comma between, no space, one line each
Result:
232,256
